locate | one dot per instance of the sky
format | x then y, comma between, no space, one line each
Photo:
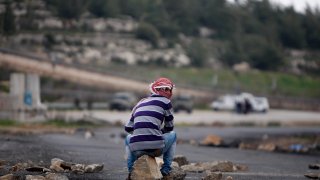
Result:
299,5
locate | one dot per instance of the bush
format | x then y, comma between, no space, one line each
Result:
149,33
198,53
256,50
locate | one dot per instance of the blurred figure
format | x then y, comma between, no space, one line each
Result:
77,103
239,105
146,136
247,106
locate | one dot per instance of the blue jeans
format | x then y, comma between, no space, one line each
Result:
167,152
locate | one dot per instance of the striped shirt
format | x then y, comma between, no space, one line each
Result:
146,122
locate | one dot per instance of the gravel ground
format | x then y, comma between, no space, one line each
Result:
107,147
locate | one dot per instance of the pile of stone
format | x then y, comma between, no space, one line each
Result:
283,144
147,167
315,174
277,144
56,170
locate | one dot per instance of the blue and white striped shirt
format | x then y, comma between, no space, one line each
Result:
146,122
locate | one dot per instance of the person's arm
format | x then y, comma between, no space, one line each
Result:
129,126
168,120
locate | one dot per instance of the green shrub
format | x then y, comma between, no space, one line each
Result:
149,33
7,122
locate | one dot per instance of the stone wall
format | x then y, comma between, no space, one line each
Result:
6,105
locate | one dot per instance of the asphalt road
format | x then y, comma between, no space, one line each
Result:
282,117
107,147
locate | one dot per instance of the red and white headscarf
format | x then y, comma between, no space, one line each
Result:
163,87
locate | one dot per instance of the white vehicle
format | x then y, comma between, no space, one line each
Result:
258,104
243,103
226,102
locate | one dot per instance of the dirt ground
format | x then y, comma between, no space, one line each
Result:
106,146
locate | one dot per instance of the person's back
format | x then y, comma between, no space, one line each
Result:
146,121
144,127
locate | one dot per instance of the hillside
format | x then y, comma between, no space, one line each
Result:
212,45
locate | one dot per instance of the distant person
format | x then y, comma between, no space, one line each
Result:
239,104
144,127
77,103
247,106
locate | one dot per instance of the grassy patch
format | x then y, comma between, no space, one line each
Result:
7,122
259,82
244,124
70,124
273,124
55,123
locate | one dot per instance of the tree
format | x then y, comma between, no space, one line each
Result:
311,23
69,10
198,53
135,8
185,14
149,33
217,15
104,8
291,32
262,54
8,22
256,50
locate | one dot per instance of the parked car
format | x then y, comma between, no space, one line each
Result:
226,102
182,103
242,103
256,104
122,101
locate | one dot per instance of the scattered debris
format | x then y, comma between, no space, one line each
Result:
181,160
3,162
146,165
193,167
57,165
160,162
313,175
240,167
267,147
215,166
222,166
35,177
176,174
18,167
92,168
78,168
54,176
212,140
37,169
212,176
193,142
7,177
314,166
251,146
301,144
